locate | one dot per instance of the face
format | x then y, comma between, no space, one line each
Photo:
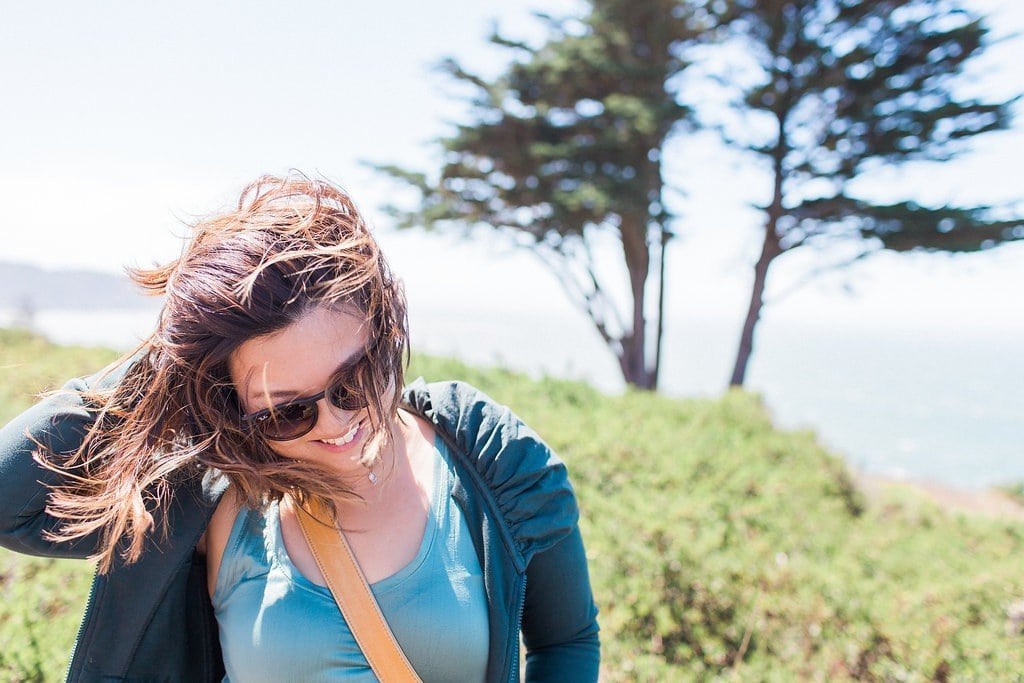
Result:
297,363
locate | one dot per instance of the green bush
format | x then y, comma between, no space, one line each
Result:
720,548
724,549
41,600
1014,491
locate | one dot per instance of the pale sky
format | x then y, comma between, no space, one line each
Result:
123,119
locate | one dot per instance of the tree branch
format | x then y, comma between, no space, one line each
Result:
818,272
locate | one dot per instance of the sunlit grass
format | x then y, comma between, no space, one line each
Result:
720,548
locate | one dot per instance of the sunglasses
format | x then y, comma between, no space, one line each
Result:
297,418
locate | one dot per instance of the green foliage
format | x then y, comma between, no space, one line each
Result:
42,603
838,89
30,365
1015,491
567,142
720,548
41,600
723,549
825,93
570,138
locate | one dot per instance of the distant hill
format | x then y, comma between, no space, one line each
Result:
31,288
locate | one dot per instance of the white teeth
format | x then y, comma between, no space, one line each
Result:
344,439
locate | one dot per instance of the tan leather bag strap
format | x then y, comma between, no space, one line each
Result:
353,595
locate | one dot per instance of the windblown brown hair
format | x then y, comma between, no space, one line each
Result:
292,245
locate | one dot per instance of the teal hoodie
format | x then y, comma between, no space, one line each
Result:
152,620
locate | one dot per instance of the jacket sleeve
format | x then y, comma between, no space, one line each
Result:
531,488
559,618
58,422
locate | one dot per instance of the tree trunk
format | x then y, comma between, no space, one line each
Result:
656,370
633,360
633,370
769,250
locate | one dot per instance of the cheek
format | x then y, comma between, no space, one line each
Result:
287,449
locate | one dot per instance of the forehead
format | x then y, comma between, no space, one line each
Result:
298,360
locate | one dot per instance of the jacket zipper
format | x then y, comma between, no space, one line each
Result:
81,627
516,628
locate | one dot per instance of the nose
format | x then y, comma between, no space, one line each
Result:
331,418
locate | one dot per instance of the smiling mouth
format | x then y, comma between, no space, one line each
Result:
345,438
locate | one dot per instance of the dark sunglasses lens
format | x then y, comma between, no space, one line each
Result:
289,421
346,398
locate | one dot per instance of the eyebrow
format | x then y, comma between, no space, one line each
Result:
291,393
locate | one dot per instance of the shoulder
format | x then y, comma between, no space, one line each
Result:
214,541
528,482
490,433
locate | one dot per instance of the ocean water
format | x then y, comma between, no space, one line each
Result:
901,402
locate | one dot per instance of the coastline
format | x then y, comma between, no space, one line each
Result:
988,502
945,415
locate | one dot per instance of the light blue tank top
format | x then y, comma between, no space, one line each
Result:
277,625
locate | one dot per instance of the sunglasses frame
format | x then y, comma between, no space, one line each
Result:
255,419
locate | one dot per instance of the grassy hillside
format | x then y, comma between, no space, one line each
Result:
41,600
720,547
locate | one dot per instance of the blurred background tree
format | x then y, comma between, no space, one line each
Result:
566,144
836,91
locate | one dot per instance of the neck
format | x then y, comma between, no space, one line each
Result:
390,464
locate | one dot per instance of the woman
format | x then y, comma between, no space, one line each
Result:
273,380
